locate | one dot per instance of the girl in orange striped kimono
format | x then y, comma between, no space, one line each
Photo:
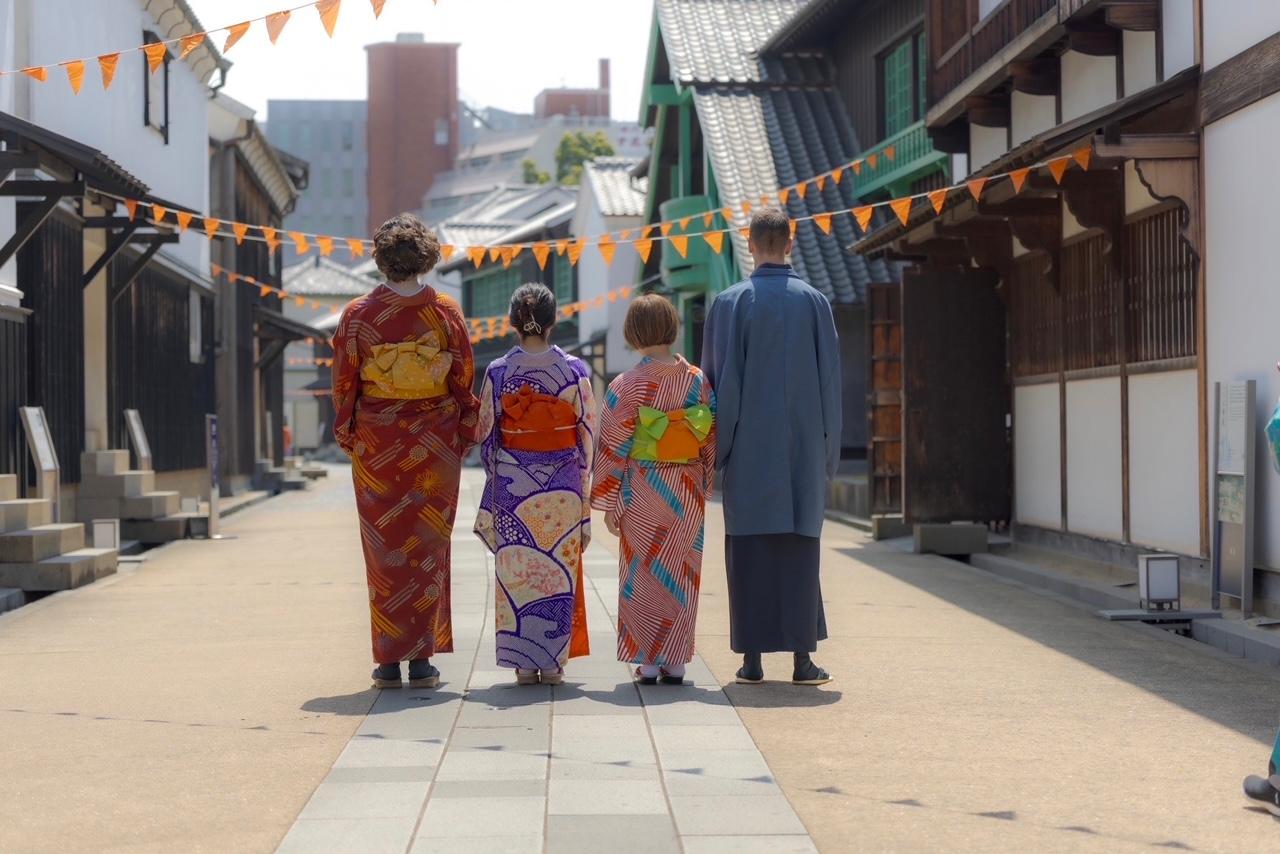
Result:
653,474
405,414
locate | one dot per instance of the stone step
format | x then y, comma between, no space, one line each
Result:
8,487
153,532
104,462
64,572
126,484
152,505
24,513
293,484
105,561
36,544
11,599
314,472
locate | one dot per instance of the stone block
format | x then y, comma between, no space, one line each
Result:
23,513
36,544
64,572
155,531
961,539
88,509
152,505
127,484
105,561
8,487
104,462
11,599
889,527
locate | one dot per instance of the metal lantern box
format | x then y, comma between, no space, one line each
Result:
1159,586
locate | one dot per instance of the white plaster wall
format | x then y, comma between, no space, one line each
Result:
1242,300
1232,26
1037,455
1070,225
986,7
985,145
1088,82
1094,481
959,167
1164,461
9,272
1136,195
112,121
1032,114
1139,61
595,278
1178,29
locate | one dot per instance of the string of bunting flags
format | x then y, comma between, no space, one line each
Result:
155,53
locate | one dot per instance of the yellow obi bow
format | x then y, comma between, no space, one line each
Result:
671,437
410,370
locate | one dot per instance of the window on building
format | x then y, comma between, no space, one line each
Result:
348,136
442,131
326,184
488,293
902,85
155,91
348,182
563,280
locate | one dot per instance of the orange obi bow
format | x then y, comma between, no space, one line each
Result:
410,370
538,422
671,437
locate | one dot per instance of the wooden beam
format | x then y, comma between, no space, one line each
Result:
1244,79
47,189
988,111
118,242
1178,181
1153,146
1036,76
1093,39
951,139
1096,199
271,352
28,228
118,289
1134,15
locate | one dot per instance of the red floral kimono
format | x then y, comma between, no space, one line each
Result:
405,414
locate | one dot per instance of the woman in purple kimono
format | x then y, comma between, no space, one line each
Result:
537,418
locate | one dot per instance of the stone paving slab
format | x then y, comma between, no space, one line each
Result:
597,764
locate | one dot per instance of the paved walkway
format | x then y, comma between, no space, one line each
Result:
598,764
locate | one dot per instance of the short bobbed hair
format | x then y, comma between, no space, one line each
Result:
652,321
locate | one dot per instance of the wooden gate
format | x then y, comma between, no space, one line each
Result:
884,397
955,397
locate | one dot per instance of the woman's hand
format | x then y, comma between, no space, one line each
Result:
614,524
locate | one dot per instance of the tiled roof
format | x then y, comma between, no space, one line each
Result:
473,233
320,276
715,41
616,193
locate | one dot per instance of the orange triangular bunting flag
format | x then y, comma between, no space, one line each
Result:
746,208
938,198
975,187
75,74
156,52
902,207
1058,168
541,252
665,228
446,250
264,290
890,152
300,242
607,250
275,24
190,43
681,243
328,10
240,230
516,250
216,270
234,34
107,65
211,227
794,225
377,7
727,213
708,218
745,233
356,247
38,72
184,220
562,246
645,248
1082,157
857,167
158,212
575,250
684,223
301,301
821,181
1019,177
476,254
863,216
132,207
783,195
495,252
823,221
715,239
837,174
802,190
326,246
273,242
625,235
507,255
872,160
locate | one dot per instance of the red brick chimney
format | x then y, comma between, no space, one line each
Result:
604,74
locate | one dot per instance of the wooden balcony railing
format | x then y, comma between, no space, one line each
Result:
986,39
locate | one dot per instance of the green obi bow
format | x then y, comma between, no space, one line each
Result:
671,437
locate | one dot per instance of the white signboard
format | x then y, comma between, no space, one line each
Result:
1232,505
40,444
138,438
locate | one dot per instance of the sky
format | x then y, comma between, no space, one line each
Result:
511,49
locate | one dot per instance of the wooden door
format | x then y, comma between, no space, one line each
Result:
955,398
884,397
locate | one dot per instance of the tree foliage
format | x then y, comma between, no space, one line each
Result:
532,174
576,149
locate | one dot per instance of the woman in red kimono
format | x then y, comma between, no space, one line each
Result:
406,415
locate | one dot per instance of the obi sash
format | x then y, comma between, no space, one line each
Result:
671,437
410,370
532,421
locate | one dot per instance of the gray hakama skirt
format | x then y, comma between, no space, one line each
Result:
775,598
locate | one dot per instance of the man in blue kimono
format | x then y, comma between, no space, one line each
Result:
772,356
